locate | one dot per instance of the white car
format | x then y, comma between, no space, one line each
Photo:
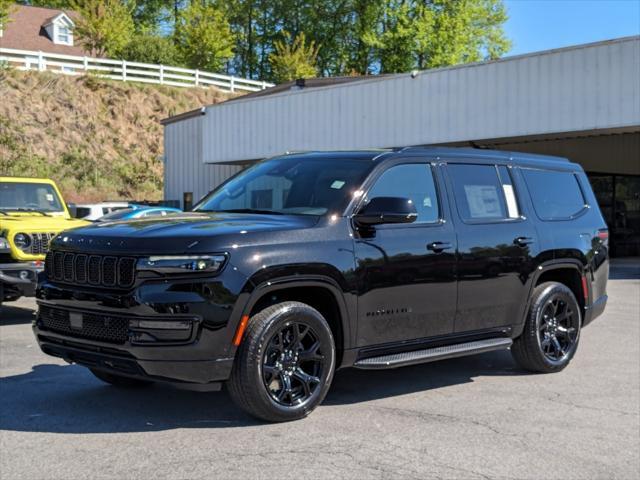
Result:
94,211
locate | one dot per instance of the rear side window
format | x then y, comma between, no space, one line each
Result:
555,195
481,193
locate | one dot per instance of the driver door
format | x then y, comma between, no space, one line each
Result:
406,272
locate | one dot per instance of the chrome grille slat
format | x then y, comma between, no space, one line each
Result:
39,243
93,270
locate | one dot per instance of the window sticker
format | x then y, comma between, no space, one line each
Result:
49,197
426,202
337,184
483,201
512,204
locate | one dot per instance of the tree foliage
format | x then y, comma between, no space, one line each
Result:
5,10
293,59
104,27
203,36
149,48
246,37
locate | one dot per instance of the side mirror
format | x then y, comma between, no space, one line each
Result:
381,210
73,210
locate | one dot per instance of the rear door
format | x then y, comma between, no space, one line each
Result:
497,245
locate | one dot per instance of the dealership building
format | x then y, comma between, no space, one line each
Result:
579,102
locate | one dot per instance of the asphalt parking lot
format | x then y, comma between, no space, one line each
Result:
474,417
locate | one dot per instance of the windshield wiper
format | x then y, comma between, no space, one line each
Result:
245,210
30,210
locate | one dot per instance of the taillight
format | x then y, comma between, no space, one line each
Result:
603,234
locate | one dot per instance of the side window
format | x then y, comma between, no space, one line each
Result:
414,181
555,195
154,213
483,194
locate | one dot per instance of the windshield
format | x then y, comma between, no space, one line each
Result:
297,185
29,197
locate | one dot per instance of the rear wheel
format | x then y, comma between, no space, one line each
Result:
285,363
118,380
552,330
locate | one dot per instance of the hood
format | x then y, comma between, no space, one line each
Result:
38,223
187,232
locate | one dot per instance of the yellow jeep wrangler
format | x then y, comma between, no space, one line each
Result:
32,212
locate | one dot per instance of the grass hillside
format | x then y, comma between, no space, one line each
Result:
98,139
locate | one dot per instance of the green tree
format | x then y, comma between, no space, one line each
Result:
396,42
5,10
104,27
48,3
453,32
293,59
203,36
149,48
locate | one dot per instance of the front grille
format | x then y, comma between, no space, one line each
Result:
93,270
39,243
104,328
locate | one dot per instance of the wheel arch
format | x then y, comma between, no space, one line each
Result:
566,271
322,293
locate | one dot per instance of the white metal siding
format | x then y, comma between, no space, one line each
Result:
584,88
184,169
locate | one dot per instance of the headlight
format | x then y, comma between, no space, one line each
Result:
22,241
168,264
4,245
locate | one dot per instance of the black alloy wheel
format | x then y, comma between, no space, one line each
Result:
293,364
551,332
285,363
558,328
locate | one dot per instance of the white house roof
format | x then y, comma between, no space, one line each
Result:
61,17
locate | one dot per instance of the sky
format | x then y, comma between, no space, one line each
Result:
536,25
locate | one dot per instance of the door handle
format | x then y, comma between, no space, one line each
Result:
523,241
439,246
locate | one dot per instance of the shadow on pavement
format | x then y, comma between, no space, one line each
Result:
69,399
15,315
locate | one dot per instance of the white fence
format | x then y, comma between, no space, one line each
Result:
126,71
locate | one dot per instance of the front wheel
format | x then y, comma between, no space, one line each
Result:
285,363
552,330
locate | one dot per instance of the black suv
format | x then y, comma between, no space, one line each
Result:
310,262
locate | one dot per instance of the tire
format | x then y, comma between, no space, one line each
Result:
551,332
269,354
118,380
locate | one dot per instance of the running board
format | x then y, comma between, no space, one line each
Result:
432,354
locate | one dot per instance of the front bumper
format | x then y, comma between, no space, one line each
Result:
176,332
20,279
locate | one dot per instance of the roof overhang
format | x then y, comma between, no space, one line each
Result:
585,88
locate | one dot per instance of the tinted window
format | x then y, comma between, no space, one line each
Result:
555,195
479,192
155,213
82,212
122,213
291,185
414,181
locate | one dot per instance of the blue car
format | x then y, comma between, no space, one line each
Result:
139,212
